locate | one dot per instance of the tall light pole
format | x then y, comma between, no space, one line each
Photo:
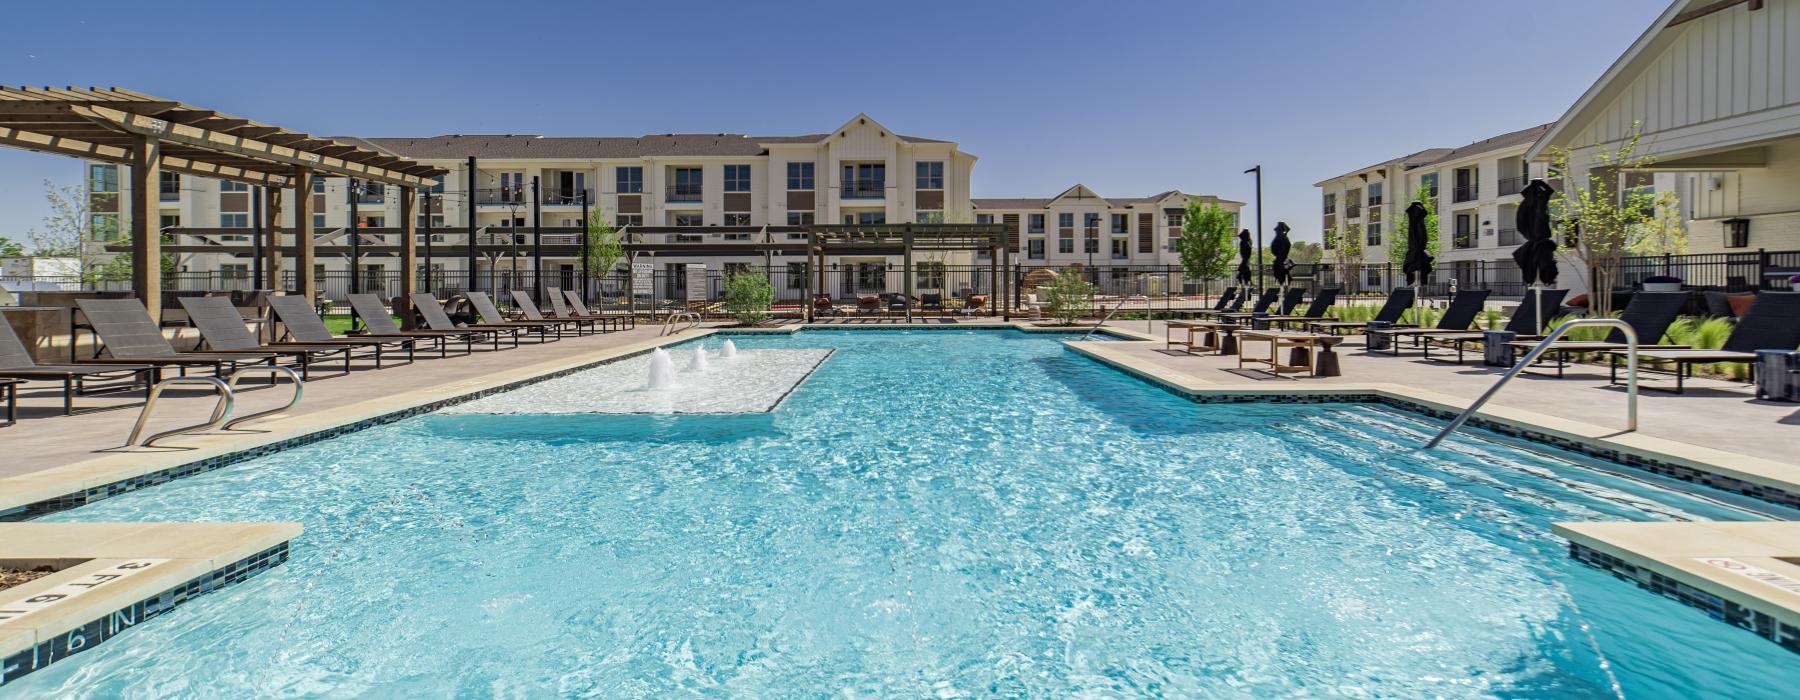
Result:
1259,247
1092,242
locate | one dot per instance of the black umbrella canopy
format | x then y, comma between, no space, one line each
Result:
1537,256
1279,248
1244,250
1418,262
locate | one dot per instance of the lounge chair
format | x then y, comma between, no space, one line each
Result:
1397,303
1263,302
301,322
1462,312
378,323
1524,323
438,320
1225,300
898,304
931,302
823,306
491,317
129,337
9,393
580,308
222,330
868,304
976,303
1772,323
559,308
522,301
16,363
1649,314
1314,311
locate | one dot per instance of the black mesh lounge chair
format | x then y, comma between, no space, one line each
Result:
1649,313
301,323
1462,312
1314,311
1289,299
559,308
378,323
931,302
128,336
222,330
1262,304
1524,323
1226,298
580,308
491,317
9,393
522,301
1772,323
16,363
898,304
438,320
1397,303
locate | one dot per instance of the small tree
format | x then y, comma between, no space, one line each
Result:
1599,224
1346,246
603,248
1206,243
748,297
10,248
1068,297
1397,241
1306,253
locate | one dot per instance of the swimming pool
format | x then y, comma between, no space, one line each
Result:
931,513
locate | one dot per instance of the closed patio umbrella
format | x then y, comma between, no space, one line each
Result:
1244,248
1418,261
1537,256
1279,248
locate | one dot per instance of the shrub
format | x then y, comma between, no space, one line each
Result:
1068,297
748,297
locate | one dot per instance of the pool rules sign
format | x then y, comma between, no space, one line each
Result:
643,279
697,283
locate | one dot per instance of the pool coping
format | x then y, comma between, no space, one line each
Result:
116,576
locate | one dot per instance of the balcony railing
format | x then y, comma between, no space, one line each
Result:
864,189
503,196
1513,185
1511,237
1466,193
1465,239
169,195
566,196
682,193
375,194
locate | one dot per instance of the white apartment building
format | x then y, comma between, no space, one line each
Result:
1081,227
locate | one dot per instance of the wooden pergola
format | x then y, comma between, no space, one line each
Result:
150,134
824,240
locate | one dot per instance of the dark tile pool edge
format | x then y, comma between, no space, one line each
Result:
1785,635
94,632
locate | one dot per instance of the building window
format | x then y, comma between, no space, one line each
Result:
737,178
1331,203
1065,220
103,227
372,221
318,221
689,220
688,185
871,218
1119,249
169,186
1375,194
1036,223
800,176
630,180
103,178
631,220
1121,223
865,180
737,219
796,275
1429,181
928,275
318,186
1065,241
1374,231
234,221
169,221
1174,218
931,175
930,216
984,218
800,218
1034,249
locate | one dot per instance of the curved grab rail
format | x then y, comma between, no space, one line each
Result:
1115,309
1631,388
221,410
231,383
694,319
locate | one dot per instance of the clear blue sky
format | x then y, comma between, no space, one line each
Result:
1128,98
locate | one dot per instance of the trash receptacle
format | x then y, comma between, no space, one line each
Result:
1778,375
1497,353
1377,342
1259,321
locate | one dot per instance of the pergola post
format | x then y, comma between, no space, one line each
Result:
1009,297
304,284
146,236
993,277
907,270
409,249
272,251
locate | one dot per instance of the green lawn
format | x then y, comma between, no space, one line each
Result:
339,324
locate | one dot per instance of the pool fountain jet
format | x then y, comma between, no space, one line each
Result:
730,351
699,363
662,369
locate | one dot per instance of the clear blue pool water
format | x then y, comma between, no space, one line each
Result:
937,513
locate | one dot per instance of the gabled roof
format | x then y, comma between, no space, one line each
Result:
1079,191
526,146
1647,47
1111,202
1407,162
1514,139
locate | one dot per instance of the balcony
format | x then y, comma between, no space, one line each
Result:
1465,240
864,189
503,196
168,195
682,193
372,194
1511,237
1513,185
566,196
1465,193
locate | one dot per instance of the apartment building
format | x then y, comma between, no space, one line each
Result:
1079,226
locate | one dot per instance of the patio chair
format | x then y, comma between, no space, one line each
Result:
439,320
492,318
1772,323
822,305
559,308
1462,312
899,304
129,336
301,322
931,302
222,330
16,363
1398,301
522,301
868,304
1314,311
1524,323
977,304
378,323
1649,314
580,308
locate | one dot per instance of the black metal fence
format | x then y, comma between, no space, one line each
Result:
1730,272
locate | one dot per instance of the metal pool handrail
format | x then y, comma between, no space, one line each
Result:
231,383
693,318
1115,309
1631,388
221,410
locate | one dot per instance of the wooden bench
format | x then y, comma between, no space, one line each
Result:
1307,352
1215,336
